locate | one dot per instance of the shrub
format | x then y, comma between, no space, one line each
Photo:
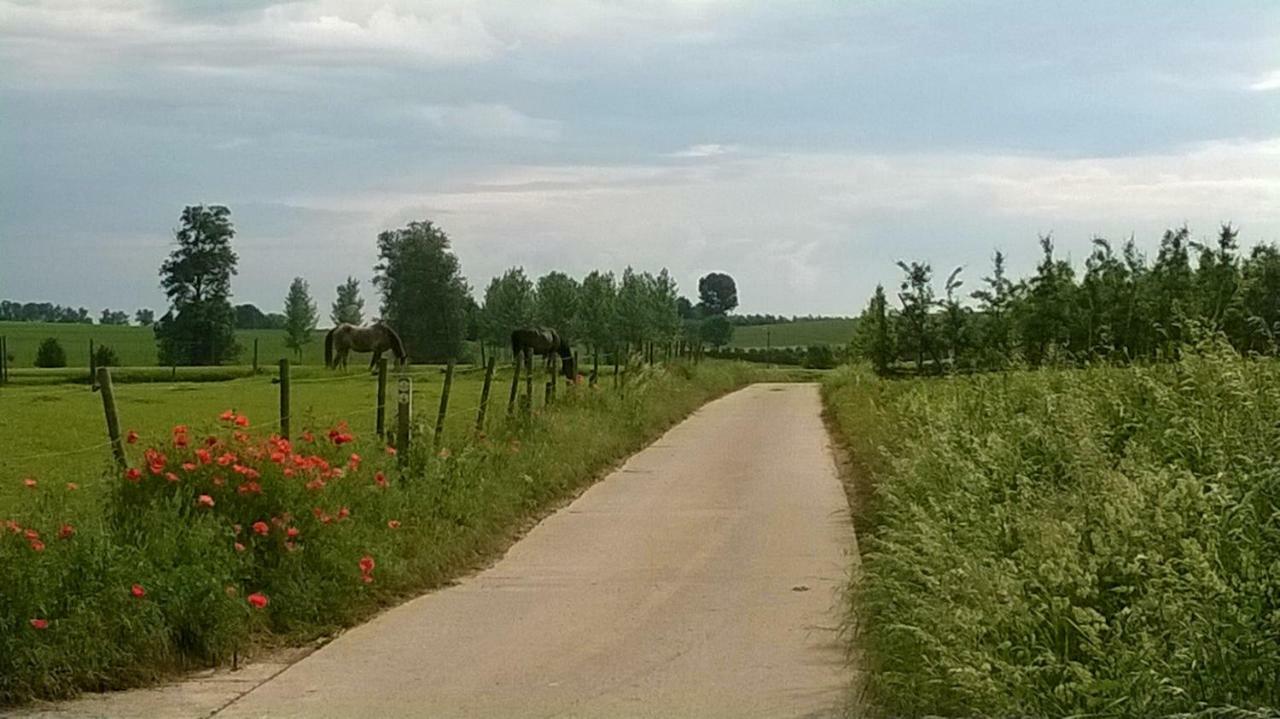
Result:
51,354
104,356
820,357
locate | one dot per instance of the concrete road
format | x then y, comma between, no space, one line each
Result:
700,579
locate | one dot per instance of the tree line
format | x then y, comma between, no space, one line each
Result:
11,311
1124,307
427,299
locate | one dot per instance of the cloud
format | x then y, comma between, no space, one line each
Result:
705,150
1270,81
489,120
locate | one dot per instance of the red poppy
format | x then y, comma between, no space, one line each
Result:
133,475
366,569
36,545
393,523
242,421
249,488
380,479
258,600
40,623
137,591
188,466
343,513
239,547
132,437
13,526
391,450
354,462
315,485
30,483
66,531
204,456
170,476
261,528
204,500
292,532
308,437
227,416
180,440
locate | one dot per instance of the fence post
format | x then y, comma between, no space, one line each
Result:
4,360
595,366
255,355
284,398
404,408
528,386
484,392
551,377
444,406
615,367
93,369
515,385
380,419
113,421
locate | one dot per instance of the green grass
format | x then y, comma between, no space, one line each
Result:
795,334
1097,542
136,346
452,511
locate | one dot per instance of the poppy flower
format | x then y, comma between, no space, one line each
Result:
380,479
133,475
242,421
249,488
188,466
30,483
354,462
391,450
227,416
66,531
261,528
239,547
308,437
137,591
204,456
132,437
72,486
393,523
292,532
258,599
170,476
40,623
315,485
366,568
204,500
36,545
343,512
180,440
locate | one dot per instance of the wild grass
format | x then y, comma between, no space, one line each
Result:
70,619
1096,542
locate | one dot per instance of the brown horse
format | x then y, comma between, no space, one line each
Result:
376,338
529,341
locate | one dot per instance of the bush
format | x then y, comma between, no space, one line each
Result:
820,357
51,354
104,356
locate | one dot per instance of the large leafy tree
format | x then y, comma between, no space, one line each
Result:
718,292
199,327
424,295
556,303
916,296
633,315
597,311
508,304
300,316
349,306
716,331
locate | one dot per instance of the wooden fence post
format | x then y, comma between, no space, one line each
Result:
255,355
284,398
515,385
615,367
404,409
4,360
93,369
595,366
380,420
528,386
444,406
484,392
553,362
113,421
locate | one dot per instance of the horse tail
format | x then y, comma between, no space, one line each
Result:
397,347
328,347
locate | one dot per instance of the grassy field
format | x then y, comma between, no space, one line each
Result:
120,582
1098,542
795,334
136,346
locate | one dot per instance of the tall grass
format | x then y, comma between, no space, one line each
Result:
1100,542
71,618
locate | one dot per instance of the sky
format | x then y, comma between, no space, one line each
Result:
802,147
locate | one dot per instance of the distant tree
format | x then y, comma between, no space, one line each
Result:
874,332
996,304
717,331
686,309
718,292
664,300
1172,283
1218,284
300,316
113,317
1049,309
104,356
349,307
424,295
633,316
597,311
1260,298
50,354
144,317
249,317
199,328
508,304
556,303
916,297
955,319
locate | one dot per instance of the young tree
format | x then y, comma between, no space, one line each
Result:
144,317
1172,285
717,331
556,303
1104,295
349,307
1260,298
873,333
50,354
508,305
1047,313
664,302
718,292
955,320
597,317
1218,284
995,303
633,316
300,316
916,296
199,327
424,295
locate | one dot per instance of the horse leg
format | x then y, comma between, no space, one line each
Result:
373,363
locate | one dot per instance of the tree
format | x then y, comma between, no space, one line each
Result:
300,316
664,301
424,295
874,332
508,304
104,356
995,303
50,354
717,331
144,317
916,296
633,317
718,292
556,303
249,317
1260,297
597,310
199,327
955,319
349,307
113,317
1218,283
1048,310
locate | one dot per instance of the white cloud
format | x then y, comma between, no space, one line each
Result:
1268,82
705,150
489,120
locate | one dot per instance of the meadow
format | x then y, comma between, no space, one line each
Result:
795,334
222,537
1073,542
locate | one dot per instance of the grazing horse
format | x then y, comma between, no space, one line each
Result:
376,338
543,341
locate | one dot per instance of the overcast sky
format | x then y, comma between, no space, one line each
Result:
802,147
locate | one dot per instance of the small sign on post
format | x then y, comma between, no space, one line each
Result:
404,409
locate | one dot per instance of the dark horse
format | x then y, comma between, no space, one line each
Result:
376,338
543,341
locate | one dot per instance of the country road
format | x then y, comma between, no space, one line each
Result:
700,579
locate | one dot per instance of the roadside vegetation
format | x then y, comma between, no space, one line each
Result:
221,536
1098,541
